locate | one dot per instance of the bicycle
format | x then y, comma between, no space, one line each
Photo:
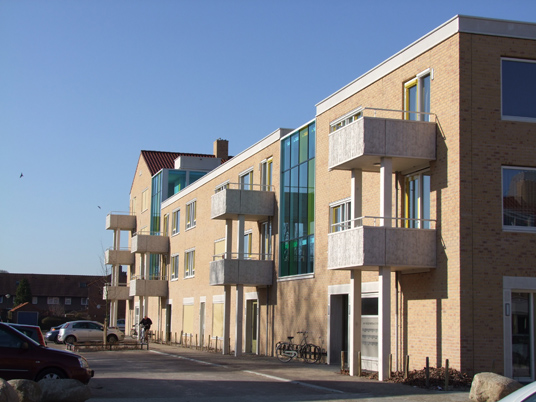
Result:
286,351
134,331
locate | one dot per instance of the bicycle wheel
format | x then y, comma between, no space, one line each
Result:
280,352
313,353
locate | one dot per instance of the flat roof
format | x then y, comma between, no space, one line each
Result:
459,23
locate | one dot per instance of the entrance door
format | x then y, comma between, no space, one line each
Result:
168,322
251,326
202,323
338,328
523,335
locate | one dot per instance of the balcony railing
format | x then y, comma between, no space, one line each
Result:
121,256
150,242
115,292
121,221
383,133
251,270
246,256
254,201
148,287
369,242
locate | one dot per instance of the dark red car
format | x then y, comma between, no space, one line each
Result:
22,357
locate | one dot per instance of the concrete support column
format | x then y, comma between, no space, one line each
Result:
229,239
226,318
384,322
356,195
241,230
239,318
355,320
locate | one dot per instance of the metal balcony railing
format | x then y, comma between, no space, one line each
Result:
408,223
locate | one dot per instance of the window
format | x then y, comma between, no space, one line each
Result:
53,300
84,301
417,97
175,221
297,222
8,340
2,299
222,187
348,118
174,266
266,241
339,216
246,180
417,201
219,249
67,301
165,225
34,300
191,214
189,264
144,200
247,245
266,175
519,198
518,89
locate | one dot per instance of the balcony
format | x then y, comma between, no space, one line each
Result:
255,203
365,245
247,271
118,257
154,243
120,221
140,286
120,292
361,144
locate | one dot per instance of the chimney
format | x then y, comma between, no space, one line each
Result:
221,149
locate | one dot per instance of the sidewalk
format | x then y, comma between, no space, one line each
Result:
319,376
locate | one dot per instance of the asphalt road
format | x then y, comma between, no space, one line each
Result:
167,373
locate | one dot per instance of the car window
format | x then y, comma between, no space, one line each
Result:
93,325
531,398
80,325
8,340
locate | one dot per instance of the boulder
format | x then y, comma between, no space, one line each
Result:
491,387
27,390
7,393
64,391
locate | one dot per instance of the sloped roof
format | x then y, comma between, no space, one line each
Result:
157,160
49,285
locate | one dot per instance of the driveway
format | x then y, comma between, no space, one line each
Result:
169,373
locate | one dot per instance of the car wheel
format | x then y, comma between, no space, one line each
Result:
112,339
70,339
50,374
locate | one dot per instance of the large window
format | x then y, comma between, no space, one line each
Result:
519,198
518,85
53,300
219,249
246,180
175,266
266,175
266,241
144,200
247,245
417,97
297,202
175,221
191,214
417,201
339,216
348,118
189,264
165,225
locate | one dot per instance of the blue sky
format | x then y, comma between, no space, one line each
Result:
85,85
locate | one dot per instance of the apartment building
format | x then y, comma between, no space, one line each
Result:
398,222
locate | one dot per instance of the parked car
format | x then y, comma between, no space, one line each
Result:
33,331
52,335
88,331
121,325
525,394
23,358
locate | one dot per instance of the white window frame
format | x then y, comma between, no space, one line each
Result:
191,209
175,221
509,117
513,228
53,300
241,175
417,81
222,187
34,300
248,246
346,207
84,301
346,119
189,263
165,225
67,301
145,200
267,170
175,267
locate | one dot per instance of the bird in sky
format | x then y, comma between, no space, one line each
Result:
98,206
21,176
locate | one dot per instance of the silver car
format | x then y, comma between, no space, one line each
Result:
88,331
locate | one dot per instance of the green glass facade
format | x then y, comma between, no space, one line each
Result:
297,202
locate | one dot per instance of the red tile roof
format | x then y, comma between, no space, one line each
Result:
157,160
